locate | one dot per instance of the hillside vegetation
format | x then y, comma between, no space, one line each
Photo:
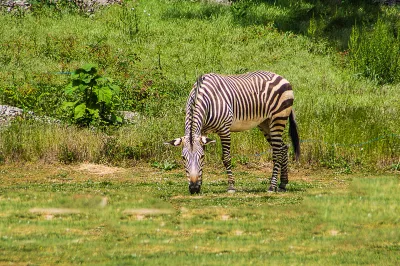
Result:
153,51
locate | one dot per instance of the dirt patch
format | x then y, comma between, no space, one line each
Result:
141,214
54,211
99,169
148,211
225,217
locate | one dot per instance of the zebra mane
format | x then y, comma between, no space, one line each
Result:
192,109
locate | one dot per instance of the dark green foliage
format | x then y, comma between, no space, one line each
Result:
94,98
376,53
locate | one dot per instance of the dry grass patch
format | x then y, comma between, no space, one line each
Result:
99,169
141,214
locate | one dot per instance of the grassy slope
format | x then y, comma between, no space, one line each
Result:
324,218
334,108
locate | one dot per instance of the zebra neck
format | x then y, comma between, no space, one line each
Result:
195,113
194,126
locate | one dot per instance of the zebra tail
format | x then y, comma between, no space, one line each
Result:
294,135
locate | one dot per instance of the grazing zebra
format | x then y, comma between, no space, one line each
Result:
224,104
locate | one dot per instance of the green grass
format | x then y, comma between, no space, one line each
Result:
155,52
323,218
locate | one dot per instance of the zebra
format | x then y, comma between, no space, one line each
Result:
232,103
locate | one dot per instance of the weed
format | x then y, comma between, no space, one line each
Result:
332,161
166,165
129,19
395,167
243,159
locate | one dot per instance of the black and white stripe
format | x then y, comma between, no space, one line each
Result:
223,104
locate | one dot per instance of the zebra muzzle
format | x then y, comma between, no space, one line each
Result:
194,178
194,184
194,187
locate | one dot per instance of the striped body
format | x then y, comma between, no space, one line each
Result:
224,104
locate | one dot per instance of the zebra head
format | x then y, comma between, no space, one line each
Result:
193,157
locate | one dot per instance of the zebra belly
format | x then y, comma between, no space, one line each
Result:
242,125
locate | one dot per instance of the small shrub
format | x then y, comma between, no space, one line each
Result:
66,155
94,99
331,161
240,9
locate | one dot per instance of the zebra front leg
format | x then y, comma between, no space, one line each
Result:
226,159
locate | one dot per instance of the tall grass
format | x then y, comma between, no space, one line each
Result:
155,50
376,53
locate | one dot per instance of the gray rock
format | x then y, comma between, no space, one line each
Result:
9,113
130,117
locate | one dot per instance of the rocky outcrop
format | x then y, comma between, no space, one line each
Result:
9,113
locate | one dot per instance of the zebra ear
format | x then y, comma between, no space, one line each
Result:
206,140
174,142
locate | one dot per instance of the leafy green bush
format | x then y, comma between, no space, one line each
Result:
376,53
94,98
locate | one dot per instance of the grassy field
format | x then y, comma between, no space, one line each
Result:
98,215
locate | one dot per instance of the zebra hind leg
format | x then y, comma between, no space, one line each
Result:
277,159
231,179
276,154
284,169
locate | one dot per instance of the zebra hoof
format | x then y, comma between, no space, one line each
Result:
271,189
231,190
281,189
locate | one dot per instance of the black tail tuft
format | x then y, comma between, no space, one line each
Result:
294,135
